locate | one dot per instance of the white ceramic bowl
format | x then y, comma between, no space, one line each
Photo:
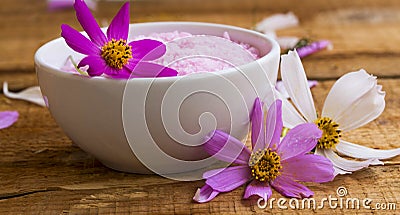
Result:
156,124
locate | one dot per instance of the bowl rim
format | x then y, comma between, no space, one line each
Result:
275,48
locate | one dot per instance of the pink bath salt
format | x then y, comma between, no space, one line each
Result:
252,50
170,36
187,53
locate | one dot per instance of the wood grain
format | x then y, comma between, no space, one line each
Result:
348,24
43,172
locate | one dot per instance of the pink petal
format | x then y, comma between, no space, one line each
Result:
227,148
97,65
119,26
151,70
290,188
313,47
71,67
228,179
262,190
308,168
274,124
299,140
123,73
257,126
78,42
205,194
8,118
147,49
89,24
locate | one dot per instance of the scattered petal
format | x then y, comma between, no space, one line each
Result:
276,22
313,47
287,42
205,194
362,152
71,67
31,94
8,118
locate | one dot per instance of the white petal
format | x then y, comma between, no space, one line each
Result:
290,116
362,152
31,94
337,170
354,100
364,110
348,165
295,81
280,87
287,42
277,21
340,171
271,34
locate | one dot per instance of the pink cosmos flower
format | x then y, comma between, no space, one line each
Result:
272,163
8,118
111,54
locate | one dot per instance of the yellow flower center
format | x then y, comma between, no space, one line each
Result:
116,53
330,133
265,165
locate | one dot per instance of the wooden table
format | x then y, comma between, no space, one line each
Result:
42,172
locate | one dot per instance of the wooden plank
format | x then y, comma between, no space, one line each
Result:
343,22
41,171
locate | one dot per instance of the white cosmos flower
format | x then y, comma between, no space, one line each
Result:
354,100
